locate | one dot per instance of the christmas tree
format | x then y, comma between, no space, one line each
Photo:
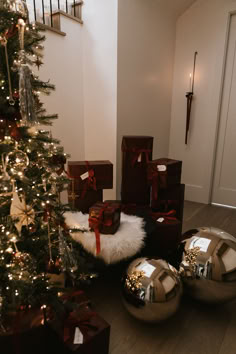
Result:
33,239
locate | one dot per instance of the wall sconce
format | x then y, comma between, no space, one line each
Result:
189,96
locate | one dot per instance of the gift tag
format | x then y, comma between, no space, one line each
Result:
78,338
84,175
148,269
139,158
160,219
200,242
161,168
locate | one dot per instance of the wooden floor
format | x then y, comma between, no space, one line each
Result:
194,329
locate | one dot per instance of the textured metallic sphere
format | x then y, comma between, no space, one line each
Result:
208,266
151,290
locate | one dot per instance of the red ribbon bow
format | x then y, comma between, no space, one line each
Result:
170,215
139,152
75,319
95,223
90,181
159,179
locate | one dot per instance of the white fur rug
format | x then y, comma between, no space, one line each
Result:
125,243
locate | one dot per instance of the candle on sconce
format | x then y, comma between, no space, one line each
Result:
189,95
190,82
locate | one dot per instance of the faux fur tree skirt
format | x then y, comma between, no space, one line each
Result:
125,243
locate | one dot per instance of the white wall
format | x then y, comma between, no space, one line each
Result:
63,66
146,42
202,28
100,82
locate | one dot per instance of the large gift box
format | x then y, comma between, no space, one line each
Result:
88,179
82,331
166,235
91,174
169,199
163,173
26,332
136,153
83,203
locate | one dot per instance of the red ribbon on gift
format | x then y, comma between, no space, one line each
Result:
137,152
90,181
170,215
158,178
75,319
96,222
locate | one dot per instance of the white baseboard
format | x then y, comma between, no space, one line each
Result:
195,193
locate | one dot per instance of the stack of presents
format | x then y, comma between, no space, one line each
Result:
150,188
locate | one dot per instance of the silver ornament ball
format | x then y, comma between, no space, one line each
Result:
208,267
151,290
16,162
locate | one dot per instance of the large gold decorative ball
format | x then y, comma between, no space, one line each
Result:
208,266
151,290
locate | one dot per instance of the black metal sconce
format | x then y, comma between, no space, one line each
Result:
189,96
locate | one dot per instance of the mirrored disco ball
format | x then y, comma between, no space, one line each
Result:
151,290
208,266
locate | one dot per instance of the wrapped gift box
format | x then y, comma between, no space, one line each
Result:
83,203
164,238
93,175
82,331
105,217
163,173
136,153
26,334
169,199
88,179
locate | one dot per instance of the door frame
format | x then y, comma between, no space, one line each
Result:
230,15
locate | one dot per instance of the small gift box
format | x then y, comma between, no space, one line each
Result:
163,173
83,331
136,153
105,217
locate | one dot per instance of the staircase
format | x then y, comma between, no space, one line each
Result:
47,12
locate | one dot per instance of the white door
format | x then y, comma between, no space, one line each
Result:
224,183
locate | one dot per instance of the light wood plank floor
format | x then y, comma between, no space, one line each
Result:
194,329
